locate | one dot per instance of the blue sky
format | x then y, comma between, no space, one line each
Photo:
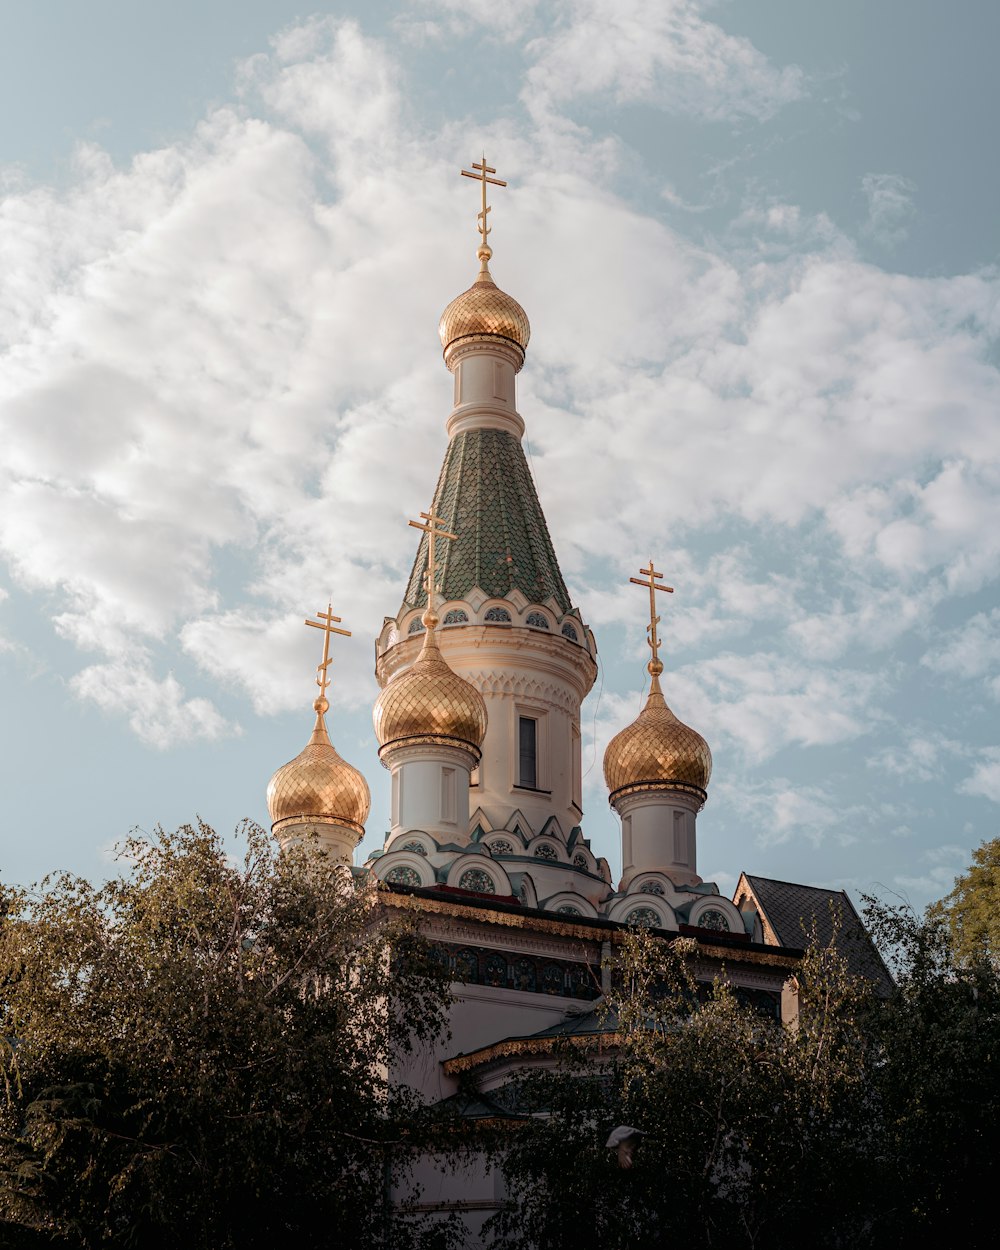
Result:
758,249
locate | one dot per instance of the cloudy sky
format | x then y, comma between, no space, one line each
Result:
757,244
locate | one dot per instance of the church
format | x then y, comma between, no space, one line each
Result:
483,668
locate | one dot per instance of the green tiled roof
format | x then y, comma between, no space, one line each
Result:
487,497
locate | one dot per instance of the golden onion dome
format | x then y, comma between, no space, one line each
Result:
484,309
657,751
318,786
430,703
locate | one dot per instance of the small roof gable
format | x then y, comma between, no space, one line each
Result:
791,910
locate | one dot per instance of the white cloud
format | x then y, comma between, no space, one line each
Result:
765,702
662,52
890,207
984,780
781,810
220,392
970,650
157,711
921,757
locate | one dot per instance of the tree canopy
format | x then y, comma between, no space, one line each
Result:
194,1052
870,1123
972,909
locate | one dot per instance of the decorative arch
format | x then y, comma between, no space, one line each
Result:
566,898
624,907
387,864
717,913
479,872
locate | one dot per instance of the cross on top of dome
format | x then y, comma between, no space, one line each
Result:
430,526
651,579
485,251
325,621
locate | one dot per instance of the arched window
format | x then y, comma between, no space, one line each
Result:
545,852
417,847
403,874
416,625
569,632
500,846
580,861
644,917
497,616
553,979
567,909
537,621
456,617
714,919
651,887
495,969
478,880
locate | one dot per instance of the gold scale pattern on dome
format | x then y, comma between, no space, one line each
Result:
318,785
657,751
484,309
429,703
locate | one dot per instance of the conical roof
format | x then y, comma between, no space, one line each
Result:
486,495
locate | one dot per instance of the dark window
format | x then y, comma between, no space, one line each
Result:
527,744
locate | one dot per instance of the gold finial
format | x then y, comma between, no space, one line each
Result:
651,578
430,525
325,621
485,251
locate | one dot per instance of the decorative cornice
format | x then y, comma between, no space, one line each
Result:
524,1047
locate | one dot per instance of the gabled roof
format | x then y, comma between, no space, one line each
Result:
790,911
487,497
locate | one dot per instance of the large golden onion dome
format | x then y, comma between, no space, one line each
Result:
430,703
484,310
318,787
657,751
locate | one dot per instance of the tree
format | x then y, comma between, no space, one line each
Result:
195,1053
936,1087
972,909
755,1134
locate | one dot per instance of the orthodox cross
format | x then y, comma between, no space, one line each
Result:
429,525
482,178
651,579
325,621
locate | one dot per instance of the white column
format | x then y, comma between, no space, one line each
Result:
430,790
659,835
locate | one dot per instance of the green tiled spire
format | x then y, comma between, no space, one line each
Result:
487,497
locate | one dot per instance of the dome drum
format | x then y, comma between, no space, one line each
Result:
646,787
429,740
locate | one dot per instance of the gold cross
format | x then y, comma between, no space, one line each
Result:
481,177
430,525
650,578
325,622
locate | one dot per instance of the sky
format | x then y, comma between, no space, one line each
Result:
757,244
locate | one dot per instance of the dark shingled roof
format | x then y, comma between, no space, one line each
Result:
792,910
487,497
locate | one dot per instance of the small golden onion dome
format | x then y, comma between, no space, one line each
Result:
429,703
484,309
657,752
318,786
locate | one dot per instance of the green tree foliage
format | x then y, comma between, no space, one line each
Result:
936,1087
195,1051
972,909
746,1123
867,1124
